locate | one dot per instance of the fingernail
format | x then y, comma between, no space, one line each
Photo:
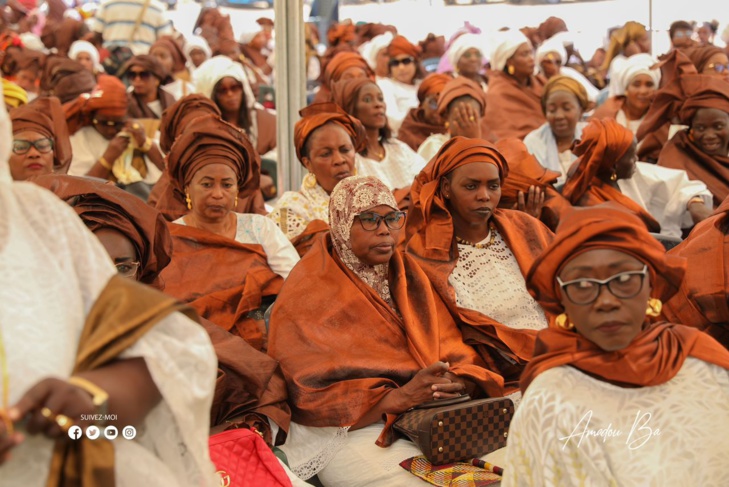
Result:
434,387
13,414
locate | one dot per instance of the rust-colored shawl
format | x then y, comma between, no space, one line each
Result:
513,110
222,279
658,352
603,143
177,118
701,301
525,171
610,108
341,360
430,239
66,79
124,311
415,129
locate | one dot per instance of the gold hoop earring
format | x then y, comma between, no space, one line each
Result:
188,200
654,307
447,124
563,322
310,181
510,70
614,176
235,203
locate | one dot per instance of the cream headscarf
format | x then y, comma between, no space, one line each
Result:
462,44
350,197
506,44
369,50
632,67
85,46
208,74
553,44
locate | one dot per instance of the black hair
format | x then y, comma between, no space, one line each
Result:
244,116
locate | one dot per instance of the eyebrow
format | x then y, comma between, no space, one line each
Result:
213,179
121,260
610,266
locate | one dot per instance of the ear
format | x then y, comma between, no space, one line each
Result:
307,163
445,187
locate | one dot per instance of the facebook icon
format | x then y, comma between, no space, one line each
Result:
75,432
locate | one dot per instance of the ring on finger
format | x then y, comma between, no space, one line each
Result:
64,422
472,118
135,126
46,413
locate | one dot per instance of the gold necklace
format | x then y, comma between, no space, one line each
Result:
492,233
6,387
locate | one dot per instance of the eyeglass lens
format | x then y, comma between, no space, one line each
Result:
371,221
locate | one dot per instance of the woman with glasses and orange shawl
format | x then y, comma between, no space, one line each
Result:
388,344
476,255
210,166
611,397
607,170
326,141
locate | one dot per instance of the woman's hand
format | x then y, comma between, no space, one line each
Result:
466,122
430,383
532,203
8,440
136,130
116,147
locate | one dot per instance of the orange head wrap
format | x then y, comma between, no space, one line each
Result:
341,33
401,46
702,91
603,144
550,27
433,84
700,55
456,88
524,171
432,46
108,100
178,56
570,85
319,114
178,117
66,79
45,116
344,92
429,211
342,62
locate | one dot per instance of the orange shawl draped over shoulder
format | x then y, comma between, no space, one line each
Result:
513,110
701,300
222,279
342,348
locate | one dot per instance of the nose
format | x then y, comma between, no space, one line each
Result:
33,152
382,228
606,301
217,192
483,194
338,159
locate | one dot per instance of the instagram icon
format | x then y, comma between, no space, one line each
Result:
129,432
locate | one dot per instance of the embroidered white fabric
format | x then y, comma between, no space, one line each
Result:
296,209
690,413
397,170
490,281
309,449
430,146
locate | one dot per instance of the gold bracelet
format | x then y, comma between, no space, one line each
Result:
104,163
695,199
147,145
99,396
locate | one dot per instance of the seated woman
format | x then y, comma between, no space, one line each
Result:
400,88
424,121
564,101
461,106
106,144
197,51
383,156
344,65
375,53
87,55
225,82
40,143
211,164
633,88
701,301
583,417
76,355
476,255
702,149
709,60
388,344
551,58
326,141
146,77
513,101
171,57
466,56
607,170
625,42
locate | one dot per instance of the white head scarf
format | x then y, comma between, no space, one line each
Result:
632,67
553,44
369,49
6,136
33,42
207,75
462,44
506,44
84,46
197,42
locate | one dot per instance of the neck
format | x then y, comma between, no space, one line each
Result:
222,227
231,117
521,79
473,233
475,77
631,112
373,136
150,97
564,143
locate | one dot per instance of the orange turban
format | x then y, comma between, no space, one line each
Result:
108,99
342,62
429,208
344,93
45,116
178,56
66,79
341,33
458,87
570,85
524,171
602,145
401,46
177,118
433,84
702,91
319,114
700,55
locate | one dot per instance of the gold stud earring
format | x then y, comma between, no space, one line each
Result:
188,200
614,176
654,307
510,70
563,322
447,124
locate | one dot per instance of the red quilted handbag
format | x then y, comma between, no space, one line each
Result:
243,459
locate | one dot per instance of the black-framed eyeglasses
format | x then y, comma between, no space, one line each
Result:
404,61
432,102
109,123
624,285
719,68
143,75
472,54
370,220
127,269
44,146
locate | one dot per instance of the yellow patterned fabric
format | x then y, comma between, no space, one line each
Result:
450,475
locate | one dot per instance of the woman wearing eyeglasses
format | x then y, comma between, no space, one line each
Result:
709,60
424,121
405,73
466,56
369,337
226,83
40,142
476,254
611,397
146,77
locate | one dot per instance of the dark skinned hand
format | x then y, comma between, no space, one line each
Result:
466,122
430,384
138,133
116,148
531,203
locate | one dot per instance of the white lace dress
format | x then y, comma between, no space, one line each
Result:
296,209
674,434
397,170
53,270
490,282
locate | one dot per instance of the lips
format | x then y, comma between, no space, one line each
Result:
483,211
384,247
611,326
35,167
341,175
